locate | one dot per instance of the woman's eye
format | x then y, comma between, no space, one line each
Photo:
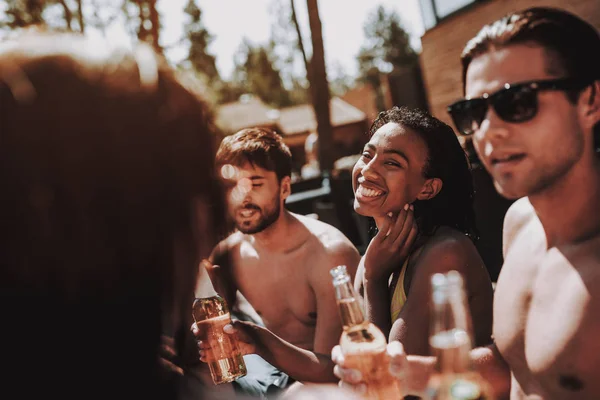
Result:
394,164
366,155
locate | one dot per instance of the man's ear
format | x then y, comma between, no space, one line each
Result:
591,106
285,187
430,189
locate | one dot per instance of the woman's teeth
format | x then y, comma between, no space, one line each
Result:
366,192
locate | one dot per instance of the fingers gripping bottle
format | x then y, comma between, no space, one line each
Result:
362,343
451,342
211,314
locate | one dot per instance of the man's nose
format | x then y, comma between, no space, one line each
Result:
492,128
242,191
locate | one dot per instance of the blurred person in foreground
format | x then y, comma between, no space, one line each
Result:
532,106
279,262
106,207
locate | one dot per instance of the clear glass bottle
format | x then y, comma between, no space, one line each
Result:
362,343
225,360
451,342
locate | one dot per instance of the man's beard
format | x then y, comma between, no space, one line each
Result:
266,219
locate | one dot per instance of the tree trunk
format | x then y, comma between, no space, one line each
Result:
155,29
300,43
320,89
68,14
149,28
80,15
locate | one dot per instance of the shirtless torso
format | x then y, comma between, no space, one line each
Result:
290,288
546,311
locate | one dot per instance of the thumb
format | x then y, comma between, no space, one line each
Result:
397,358
385,228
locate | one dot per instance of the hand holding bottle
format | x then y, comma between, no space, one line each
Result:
413,376
350,378
245,333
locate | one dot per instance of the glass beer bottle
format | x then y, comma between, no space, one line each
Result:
451,342
211,314
362,343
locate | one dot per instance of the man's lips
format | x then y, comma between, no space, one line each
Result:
505,163
248,212
506,160
503,159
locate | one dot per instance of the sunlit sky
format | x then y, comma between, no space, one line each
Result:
230,20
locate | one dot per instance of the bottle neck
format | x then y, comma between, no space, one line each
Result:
450,337
349,304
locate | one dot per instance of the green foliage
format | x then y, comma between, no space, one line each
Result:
256,74
387,46
199,39
22,13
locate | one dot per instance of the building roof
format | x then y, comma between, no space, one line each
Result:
248,112
364,98
301,119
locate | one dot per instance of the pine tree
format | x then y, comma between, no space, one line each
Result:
199,40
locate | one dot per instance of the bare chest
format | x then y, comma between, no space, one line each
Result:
546,320
278,287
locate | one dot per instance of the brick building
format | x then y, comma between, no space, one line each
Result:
451,23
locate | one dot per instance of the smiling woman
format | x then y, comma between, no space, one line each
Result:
413,179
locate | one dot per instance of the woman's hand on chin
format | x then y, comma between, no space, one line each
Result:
391,246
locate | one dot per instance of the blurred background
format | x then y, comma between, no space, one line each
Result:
317,72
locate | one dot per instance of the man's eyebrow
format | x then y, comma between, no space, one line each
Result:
390,151
256,177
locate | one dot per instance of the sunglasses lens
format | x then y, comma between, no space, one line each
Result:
468,114
516,104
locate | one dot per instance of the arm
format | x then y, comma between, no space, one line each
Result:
386,252
441,254
300,364
220,272
328,325
377,302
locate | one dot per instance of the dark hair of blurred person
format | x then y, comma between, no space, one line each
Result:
107,203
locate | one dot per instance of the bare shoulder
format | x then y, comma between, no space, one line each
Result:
449,249
225,247
519,214
328,236
450,242
331,245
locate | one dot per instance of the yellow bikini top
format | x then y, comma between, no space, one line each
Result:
399,297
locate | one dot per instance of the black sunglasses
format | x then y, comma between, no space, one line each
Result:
514,103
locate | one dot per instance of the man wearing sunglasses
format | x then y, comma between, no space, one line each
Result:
532,109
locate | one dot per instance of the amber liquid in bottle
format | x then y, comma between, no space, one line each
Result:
225,360
362,343
450,341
